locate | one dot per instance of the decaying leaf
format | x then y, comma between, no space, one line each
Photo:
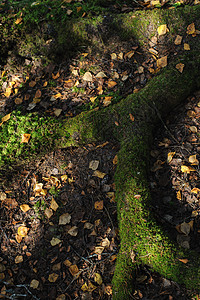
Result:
67,263
18,21
25,137
55,241
8,92
183,260
10,203
99,174
115,160
162,62
73,231
180,67
19,259
162,29
55,76
170,156
64,219
186,47
88,225
48,212
185,228
94,165
191,113
88,287
113,56
22,231
107,101
74,270
2,196
18,238
54,204
53,277
193,129
57,112
100,75
191,29
32,83
61,297
193,159
98,278
98,205
87,76
98,250
178,40
25,207
34,284
105,243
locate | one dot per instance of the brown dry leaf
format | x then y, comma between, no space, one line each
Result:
74,270
10,203
55,76
195,190
107,101
34,284
18,21
153,51
67,263
98,278
94,165
87,76
61,297
18,238
183,260
162,62
26,97
54,204
73,231
111,83
56,267
101,75
48,212
18,259
99,174
185,228
78,9
38,188
57,112
186,169
178,40
132,117
178,195
193,129
162,29
22,231
53,277
98,205
180,67
115,160
105,243
25,207
108,290
170,156
186,47
8,92
193,159
38,94
69,12
129,54
88,226
191,29
25,137
2,196
64,219
55,241
32,83
191,223
18,101
191,113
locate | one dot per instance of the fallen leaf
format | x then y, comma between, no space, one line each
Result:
18,259
170,156
140,69
162,62
55,76
107,101
193,159
111,196
88,287
54,204
69,12
18,21
162,29
183,260
178,40
111,83
92,99
191,29
101,75
105,243
64,178
34,284
67,263
98,278
132,117
88,226
64,219
58,95
129,54
48,212
32,83
57,112
61,297
113,56
193,129
18,101
8,92
53,277
25,137
22,231
186,169
73,231
18,238
55,241
45,83
10,203
6,118
78,9
25,207
180,67
185,228
178,195
195,190
99,174
191,113
74,270
186,47
98,250
94,165
87,76
98,205
56,267
115,160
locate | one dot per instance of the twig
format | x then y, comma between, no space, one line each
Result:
109,217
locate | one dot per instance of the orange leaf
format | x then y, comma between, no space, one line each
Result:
183,260
98,205
180,67
131,117
191,29
18,21
195,190
25,138
55,76
38,94
111,83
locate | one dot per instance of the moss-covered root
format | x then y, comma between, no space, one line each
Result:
142,239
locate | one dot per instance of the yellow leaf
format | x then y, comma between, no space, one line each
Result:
186,47
8,92
18,238
111,83
195,190
34,284
55,241
67,263
74,270
92,99
170,156
45,83
115,160
59,95
191,29
55,76
22,231
180,67
162,62
193,160
183,260
107,101
186,169
25,138
132,117
113,56
162,29
25,207
18,21
111,196
193,129
99,174
178,195
5,118
64,178
98,278
98,205
53,277
178,40
191,113
18,259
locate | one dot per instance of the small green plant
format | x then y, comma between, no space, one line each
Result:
53,191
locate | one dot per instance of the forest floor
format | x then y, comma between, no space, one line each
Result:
58,215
